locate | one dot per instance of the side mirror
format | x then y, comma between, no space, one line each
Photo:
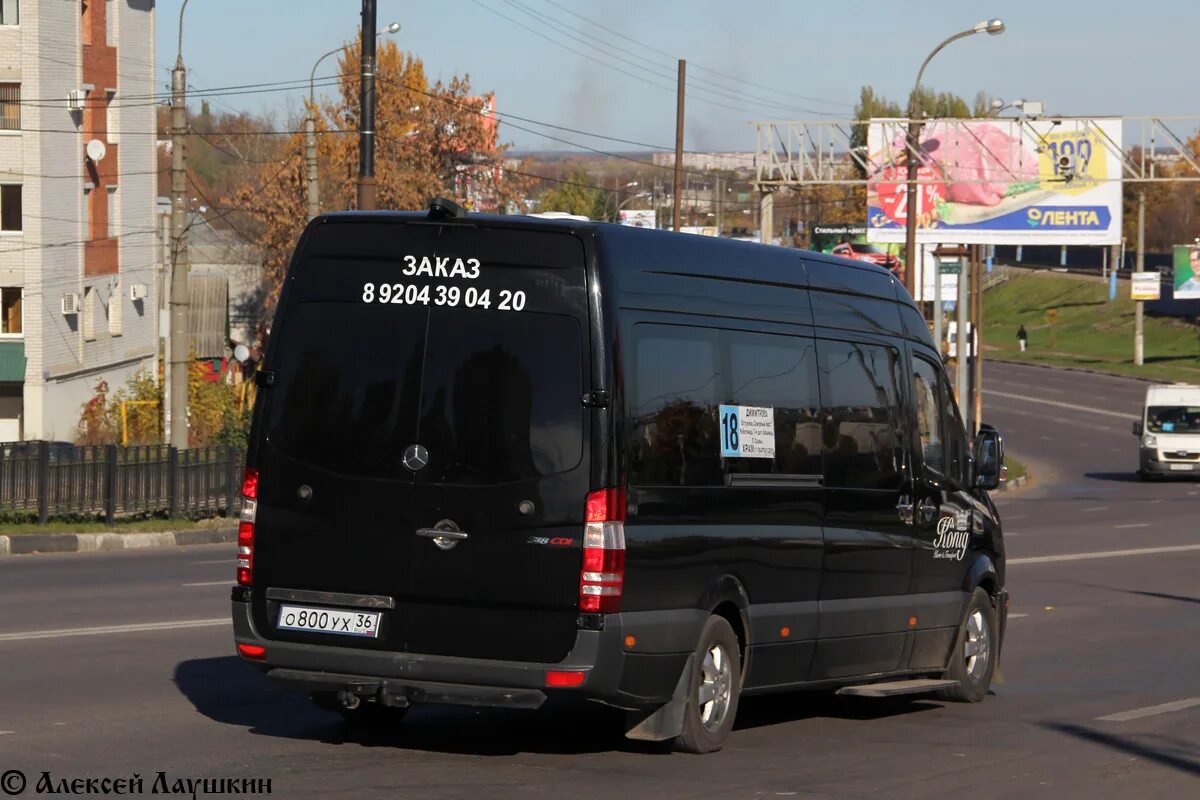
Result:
989,458
1137,428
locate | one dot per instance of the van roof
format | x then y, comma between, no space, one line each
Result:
573,224
1173,393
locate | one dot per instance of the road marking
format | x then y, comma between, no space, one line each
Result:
1097,508
1150,711
100,630
1017,616
1145,551
211,583
1061,404
1134,525
7,733
214,561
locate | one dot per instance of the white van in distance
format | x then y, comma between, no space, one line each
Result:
1170,431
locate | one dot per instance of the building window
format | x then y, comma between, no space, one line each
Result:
86,217
10,208
112,117
114,309
10,12
110,23
10,106
112,212
10,311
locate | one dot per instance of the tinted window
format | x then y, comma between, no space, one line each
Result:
494,396
927,401
862,434
681,376
676,383
958,451
778,372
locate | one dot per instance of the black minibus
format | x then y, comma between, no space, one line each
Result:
499,459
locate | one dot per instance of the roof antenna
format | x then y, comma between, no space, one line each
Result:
441,208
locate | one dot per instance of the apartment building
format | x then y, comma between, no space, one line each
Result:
78,288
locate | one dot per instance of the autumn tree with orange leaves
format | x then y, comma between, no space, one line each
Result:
425,136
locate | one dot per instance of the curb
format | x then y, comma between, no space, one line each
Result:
27,543
1015,483
1088,370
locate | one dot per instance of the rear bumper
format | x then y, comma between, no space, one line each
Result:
612,674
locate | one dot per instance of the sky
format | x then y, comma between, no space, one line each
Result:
767,59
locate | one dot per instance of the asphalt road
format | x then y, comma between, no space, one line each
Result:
1100,694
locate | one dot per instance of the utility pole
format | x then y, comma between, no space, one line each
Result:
977,340
679,91
175,424
366,113
1138,335
720,197
912,143
961,348
937,298
310,160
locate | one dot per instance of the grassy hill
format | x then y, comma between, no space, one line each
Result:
1088,331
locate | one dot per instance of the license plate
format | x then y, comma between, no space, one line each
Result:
1182,467
329,620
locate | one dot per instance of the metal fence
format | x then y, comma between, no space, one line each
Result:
53,479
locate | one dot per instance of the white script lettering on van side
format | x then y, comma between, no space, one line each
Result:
950,543
438,267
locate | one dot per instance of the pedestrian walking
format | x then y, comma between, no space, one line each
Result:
1023,338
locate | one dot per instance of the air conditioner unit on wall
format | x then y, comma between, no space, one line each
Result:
137,291
76,99
70,304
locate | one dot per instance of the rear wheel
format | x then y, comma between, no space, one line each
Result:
713,690
973,660
367,712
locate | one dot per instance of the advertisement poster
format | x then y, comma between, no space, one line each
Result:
998,181
637,217
1145,285
1187,272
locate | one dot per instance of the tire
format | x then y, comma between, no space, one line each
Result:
973,659
713,690
367,712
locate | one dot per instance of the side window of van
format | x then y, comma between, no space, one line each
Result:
862,435
927,400
681,376
958,451
676,380
780,373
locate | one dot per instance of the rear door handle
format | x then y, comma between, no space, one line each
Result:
438,533
928,510
444,539
904,509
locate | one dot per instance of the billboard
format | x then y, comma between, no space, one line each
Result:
638,217
998,181
1187,272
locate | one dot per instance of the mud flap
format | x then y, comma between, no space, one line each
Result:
667,721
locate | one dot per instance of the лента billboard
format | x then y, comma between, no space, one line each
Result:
998,181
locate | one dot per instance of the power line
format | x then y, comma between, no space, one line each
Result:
697,66
701,84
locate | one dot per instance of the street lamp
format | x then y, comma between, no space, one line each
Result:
993,27
310,126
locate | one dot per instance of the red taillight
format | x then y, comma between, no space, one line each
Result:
602,574
250,483
245,557
554,678
255,651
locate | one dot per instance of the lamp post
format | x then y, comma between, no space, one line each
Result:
993,27
310,128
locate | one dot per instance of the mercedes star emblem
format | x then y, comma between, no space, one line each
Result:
416,457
